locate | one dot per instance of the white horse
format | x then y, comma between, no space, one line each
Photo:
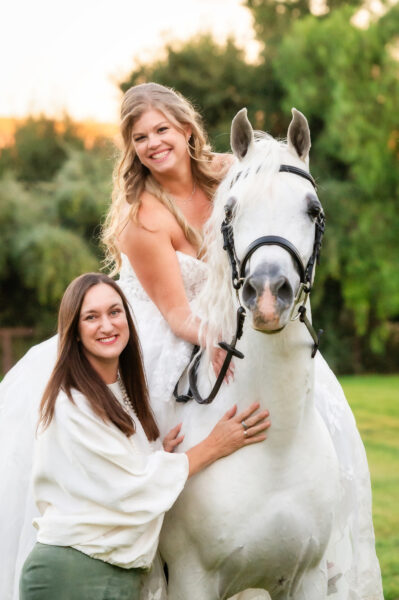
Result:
261,518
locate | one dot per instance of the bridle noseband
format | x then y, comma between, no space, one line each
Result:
238,276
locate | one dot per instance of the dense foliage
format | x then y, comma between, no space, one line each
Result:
48,220
53,192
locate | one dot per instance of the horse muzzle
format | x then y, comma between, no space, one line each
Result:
269,297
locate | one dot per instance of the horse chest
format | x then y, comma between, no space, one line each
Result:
266,543
265,510
251,501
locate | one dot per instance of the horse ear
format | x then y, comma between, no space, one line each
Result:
298,135
242,135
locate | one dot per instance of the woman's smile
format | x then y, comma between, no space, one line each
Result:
160,156
108,340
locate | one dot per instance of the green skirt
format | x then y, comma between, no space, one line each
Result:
63,573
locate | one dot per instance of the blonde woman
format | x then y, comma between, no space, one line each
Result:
163,190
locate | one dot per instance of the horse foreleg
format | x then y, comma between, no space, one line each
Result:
201,585
313,586
309,582
192,584
252,595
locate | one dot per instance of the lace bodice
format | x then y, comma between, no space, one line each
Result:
193,273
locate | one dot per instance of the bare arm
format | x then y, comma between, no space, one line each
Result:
154,260
151,250
152,255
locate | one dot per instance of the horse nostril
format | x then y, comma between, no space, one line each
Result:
249,293
282,290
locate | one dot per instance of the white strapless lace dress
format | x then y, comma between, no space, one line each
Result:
165,358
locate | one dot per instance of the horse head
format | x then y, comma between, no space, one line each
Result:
273,208
267,193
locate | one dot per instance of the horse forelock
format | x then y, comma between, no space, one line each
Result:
216,304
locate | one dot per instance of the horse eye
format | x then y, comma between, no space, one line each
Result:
314,206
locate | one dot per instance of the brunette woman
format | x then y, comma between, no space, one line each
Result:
102,481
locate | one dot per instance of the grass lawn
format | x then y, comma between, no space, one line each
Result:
374,400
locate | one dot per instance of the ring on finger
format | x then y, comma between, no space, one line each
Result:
243,423
246,432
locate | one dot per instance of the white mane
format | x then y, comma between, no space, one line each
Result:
217,304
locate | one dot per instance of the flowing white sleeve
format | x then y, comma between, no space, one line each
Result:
100,491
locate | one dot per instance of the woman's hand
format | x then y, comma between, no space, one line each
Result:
234,431
173,439
231,433
217,358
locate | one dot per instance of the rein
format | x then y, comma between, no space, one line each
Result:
238,277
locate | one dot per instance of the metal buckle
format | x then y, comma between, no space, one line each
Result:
300,299
237,282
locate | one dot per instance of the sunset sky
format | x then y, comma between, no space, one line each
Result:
58,55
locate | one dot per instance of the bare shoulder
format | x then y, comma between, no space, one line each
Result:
153,228
153,217
222,162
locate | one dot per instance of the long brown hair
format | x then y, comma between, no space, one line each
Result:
131,178
73,370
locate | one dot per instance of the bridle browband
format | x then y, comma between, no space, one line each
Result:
298,171
238,275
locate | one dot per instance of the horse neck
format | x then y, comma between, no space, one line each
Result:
279,373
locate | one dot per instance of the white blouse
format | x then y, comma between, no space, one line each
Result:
99,491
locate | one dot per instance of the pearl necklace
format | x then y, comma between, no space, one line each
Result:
125,397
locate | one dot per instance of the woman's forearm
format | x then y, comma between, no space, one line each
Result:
183,324
200,456
187,327
228,435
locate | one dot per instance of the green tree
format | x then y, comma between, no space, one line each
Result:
274,19
216,78
349,90
38,258
82,193
39,149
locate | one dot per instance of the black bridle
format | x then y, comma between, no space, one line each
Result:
238,276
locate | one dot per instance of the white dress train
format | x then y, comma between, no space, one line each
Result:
165,357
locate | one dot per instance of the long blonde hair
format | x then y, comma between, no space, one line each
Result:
131,178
